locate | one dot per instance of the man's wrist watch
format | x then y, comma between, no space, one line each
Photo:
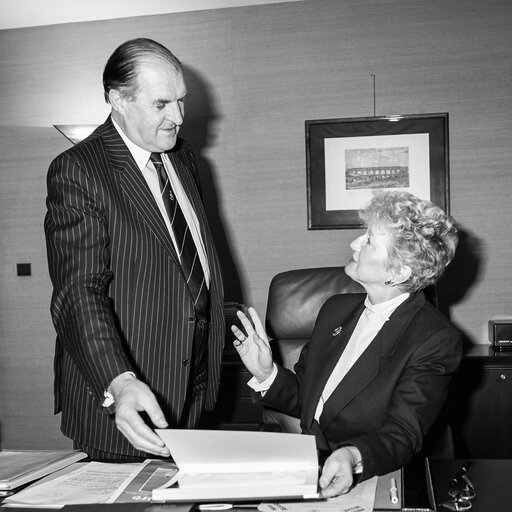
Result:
108,399
357,467
108,396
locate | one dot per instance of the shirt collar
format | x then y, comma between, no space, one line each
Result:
141,156
384,309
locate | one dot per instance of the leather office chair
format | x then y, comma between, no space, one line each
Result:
294,300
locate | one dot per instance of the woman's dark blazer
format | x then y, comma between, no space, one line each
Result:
390,397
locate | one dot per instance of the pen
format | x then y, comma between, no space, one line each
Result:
224,506
393,491
215,506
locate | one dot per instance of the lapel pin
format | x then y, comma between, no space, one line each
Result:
337,331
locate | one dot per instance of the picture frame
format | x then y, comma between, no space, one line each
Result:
348,159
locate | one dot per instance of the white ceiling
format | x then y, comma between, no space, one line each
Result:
31,13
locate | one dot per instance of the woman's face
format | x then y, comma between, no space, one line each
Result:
369,264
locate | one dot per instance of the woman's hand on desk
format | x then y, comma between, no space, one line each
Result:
337,473
253,346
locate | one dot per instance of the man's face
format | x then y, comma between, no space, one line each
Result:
152,118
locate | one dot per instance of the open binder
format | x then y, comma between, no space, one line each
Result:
216,465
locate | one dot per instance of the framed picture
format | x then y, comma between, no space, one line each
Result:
349,159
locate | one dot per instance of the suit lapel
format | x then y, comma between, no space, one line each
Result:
322,363
367,367
134,187
128,177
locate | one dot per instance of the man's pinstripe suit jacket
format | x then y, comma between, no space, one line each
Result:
120,301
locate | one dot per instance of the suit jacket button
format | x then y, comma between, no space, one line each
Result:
185,362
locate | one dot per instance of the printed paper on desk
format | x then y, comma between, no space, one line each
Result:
236,465
361,498
93,482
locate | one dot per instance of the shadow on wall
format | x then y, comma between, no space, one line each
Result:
198,129
461,274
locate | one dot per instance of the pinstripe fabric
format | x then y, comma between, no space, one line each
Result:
120,299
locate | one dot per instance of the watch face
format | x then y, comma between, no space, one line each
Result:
109,399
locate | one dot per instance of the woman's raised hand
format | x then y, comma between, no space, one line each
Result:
253,346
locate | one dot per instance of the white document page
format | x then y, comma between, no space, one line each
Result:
209,451
217,464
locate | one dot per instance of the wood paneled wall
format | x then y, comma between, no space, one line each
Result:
256,74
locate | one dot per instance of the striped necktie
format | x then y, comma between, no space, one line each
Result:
185,244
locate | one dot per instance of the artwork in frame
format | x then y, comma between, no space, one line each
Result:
347,160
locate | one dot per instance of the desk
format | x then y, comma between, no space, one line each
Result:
382,502
491,478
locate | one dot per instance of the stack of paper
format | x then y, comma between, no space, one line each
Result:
236,465
92,482
18,467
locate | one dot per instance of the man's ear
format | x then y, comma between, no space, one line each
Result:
117,100
402,274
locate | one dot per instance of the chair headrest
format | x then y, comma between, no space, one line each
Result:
296,296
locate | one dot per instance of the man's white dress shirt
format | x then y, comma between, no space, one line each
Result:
141,157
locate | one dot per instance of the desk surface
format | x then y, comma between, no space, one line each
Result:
491,479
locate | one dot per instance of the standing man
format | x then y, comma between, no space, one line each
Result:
137,301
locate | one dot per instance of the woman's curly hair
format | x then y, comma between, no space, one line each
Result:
424,236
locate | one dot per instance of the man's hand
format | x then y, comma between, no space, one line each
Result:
337,473
131,396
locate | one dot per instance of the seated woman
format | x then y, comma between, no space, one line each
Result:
375,373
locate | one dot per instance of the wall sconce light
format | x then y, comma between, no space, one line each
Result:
75,132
